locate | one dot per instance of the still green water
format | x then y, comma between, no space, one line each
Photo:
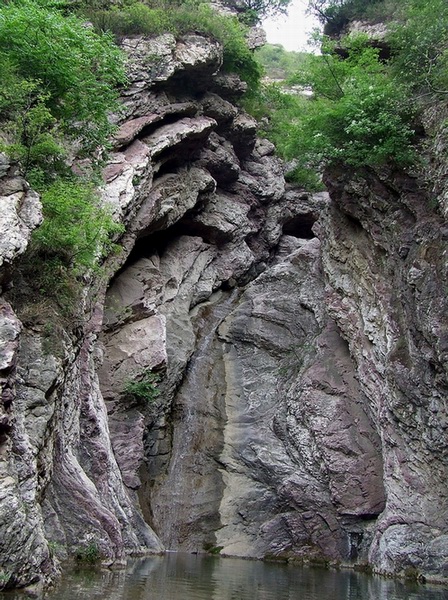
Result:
190,577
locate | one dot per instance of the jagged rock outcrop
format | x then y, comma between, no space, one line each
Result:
294,346
177,168
22,539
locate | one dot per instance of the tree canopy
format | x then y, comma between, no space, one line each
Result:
363,109
256,10
278,62
336,14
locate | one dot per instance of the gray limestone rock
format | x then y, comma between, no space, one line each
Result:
228,85
169,136
217,108
10,328
131,129
387,304
219,158
23,547
256,37
287,384
163,60
242,134
21,213
299,344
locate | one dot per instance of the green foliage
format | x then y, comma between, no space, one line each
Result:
5,577
143,387
363,111
58,78
68,246
34,138
250,11
274,106
237,57
305,177
336,14
277,62
367,126
76,231
212,549
420,47
134,19
29,130
279,110
358,113
89,554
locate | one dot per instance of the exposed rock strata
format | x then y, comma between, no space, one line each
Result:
60,446
22,543
302,467
385,259
300,343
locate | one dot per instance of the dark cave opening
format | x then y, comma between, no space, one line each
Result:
300,227
159,241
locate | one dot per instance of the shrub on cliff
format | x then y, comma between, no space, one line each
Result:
30,132
58,84
420,48
76,231
364,111
143,387
358,114
249,11
418,34
335,15
277,112
58,79
75,236
138,18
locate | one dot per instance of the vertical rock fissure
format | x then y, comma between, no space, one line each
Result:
185,500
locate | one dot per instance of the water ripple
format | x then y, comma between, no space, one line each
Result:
191,577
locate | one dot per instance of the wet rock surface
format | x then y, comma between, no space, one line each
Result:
301,452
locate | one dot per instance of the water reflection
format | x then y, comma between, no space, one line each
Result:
190,577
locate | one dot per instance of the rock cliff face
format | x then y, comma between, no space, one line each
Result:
385,292
298,343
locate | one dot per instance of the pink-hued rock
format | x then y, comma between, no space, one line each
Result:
130,129
294,348
385,259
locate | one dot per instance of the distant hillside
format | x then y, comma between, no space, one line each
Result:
278,62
